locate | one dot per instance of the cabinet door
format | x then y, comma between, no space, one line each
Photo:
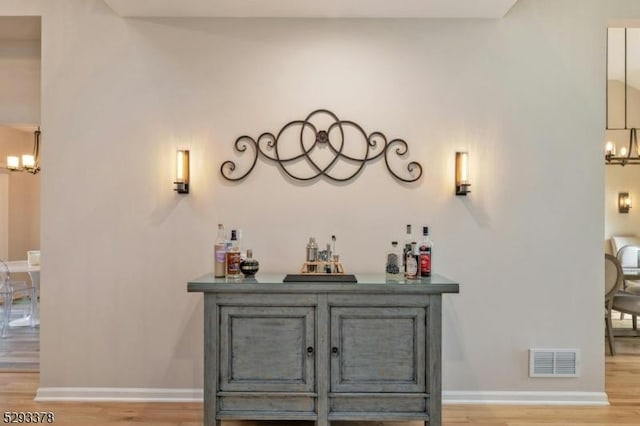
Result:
377,349
267,348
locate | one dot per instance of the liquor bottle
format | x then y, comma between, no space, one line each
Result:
220,253
234,258
249,266
229,240
392,269
413,269
406,248
239,238
425,253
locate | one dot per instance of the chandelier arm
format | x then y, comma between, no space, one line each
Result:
36,149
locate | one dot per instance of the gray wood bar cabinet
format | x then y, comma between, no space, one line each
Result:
322,351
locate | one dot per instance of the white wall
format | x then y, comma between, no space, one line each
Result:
19,82
524,95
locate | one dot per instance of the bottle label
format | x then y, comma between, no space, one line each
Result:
393,266
412,267
233,263
221,253
425,262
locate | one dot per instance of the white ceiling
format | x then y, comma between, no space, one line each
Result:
314,8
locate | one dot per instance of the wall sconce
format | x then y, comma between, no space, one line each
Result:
624,202
182,172
30,163
462,173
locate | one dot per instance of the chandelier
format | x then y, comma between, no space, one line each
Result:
622,105
30,162
627,155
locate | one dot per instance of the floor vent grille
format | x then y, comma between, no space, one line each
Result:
554,362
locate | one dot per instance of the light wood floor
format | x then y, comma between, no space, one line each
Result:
20,350
622,377
17,390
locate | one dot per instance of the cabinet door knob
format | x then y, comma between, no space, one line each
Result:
334,350
310,350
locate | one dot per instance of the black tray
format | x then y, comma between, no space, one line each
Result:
320,278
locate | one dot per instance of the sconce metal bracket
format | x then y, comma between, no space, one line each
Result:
463,189
312,138
181,187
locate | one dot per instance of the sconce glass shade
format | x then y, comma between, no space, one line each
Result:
28,161
462,173
610,148
182,172
13,162
624,202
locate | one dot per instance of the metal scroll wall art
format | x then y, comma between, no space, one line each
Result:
314,142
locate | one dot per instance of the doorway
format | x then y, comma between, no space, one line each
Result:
20,82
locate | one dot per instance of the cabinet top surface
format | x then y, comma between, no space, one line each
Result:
367,283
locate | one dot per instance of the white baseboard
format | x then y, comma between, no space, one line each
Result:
196,395
524,398
120,394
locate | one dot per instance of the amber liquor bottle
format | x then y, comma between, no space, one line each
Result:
234,258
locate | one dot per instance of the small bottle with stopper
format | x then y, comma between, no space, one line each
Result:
249,266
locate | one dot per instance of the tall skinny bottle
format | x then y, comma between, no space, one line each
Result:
234,258
220,253
425,253
406,248
413,269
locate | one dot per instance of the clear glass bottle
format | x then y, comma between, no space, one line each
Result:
406,248
234,258
425,250
220,253
392,268
413,269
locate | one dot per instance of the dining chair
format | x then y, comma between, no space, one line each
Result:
629,256
8,290
627,303
613,278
